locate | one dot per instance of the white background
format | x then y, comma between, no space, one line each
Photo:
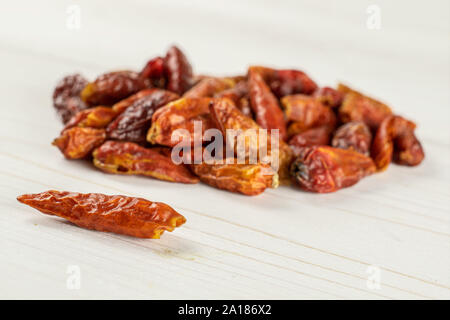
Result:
283,244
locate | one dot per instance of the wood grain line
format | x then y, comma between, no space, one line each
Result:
367,216
304,261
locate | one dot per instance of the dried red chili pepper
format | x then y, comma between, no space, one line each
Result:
264,104
329,97
123,104
178,71
130,158
78,142
289,82
325,169
318,136
306,112
208,87
358,107
98,117
112,87
395,140
248,179
133,123
239,95
226,116
66,96
286,82
353,136
135,217
179,114
154,71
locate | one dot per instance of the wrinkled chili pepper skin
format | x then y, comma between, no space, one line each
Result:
209,87
289,82
264,104
132,159
154,71
395,140
130,216
132,124
226,116
286,82
318,136
248,179
178,71
112,87
97,117
78,142
306,112
123,104
325,169
235,93
329,97
353,136
179,114
358,107
408,150
66,96
239,95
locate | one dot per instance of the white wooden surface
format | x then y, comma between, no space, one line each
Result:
283,244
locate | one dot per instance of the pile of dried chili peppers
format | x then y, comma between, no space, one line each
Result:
329,138
326,138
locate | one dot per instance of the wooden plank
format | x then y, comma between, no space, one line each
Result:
283,244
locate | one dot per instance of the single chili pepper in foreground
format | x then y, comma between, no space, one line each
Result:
358,107
130,158
112,87
179,114
135,217
325,169
395,140
77,142
66,96
178,71
132,124
353,136
264,104
248,179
